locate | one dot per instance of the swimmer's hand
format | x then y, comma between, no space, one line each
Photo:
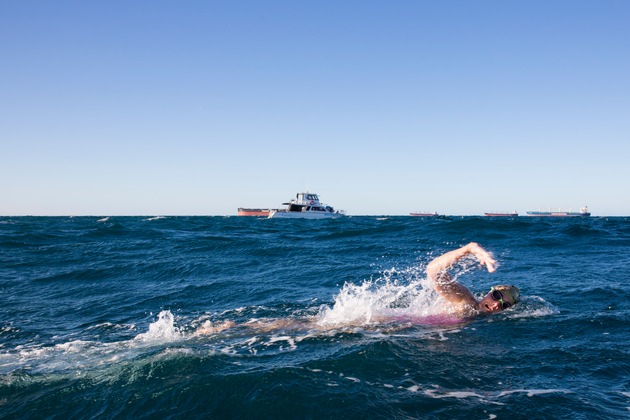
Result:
483,256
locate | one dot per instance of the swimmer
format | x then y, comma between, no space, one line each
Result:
463,302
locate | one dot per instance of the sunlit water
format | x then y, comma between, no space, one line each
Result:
255,318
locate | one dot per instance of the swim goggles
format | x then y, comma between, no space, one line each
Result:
498,296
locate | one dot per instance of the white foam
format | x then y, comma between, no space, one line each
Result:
110,325
82,354
453,394
155,218
532,307
438,394
290,341
76,346
533,392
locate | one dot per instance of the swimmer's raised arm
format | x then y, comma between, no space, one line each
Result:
437,271
483,256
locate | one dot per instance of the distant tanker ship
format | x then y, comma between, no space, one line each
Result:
502,214
582,213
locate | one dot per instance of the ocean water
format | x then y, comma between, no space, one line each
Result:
228,317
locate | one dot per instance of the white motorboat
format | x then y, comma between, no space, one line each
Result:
306,205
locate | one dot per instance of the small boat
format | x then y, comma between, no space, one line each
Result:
253,212
502,214
306,205
421,214
582,213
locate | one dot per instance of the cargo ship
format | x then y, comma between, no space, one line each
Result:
582,213
502,214
253,212
420,214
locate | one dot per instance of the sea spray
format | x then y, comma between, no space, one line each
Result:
386,298
162,330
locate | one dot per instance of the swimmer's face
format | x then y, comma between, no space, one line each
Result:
495,301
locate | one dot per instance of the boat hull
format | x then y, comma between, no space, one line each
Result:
278,214
557,214
302,215
501,214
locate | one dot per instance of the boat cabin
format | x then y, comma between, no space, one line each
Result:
306,201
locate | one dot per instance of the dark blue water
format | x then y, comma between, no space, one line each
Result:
102,318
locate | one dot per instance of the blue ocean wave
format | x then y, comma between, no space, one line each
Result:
244,317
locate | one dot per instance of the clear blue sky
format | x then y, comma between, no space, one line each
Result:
381,107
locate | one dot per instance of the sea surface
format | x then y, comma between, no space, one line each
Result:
247,318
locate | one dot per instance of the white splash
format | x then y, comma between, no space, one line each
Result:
383,300
532,307
81,354
162,330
